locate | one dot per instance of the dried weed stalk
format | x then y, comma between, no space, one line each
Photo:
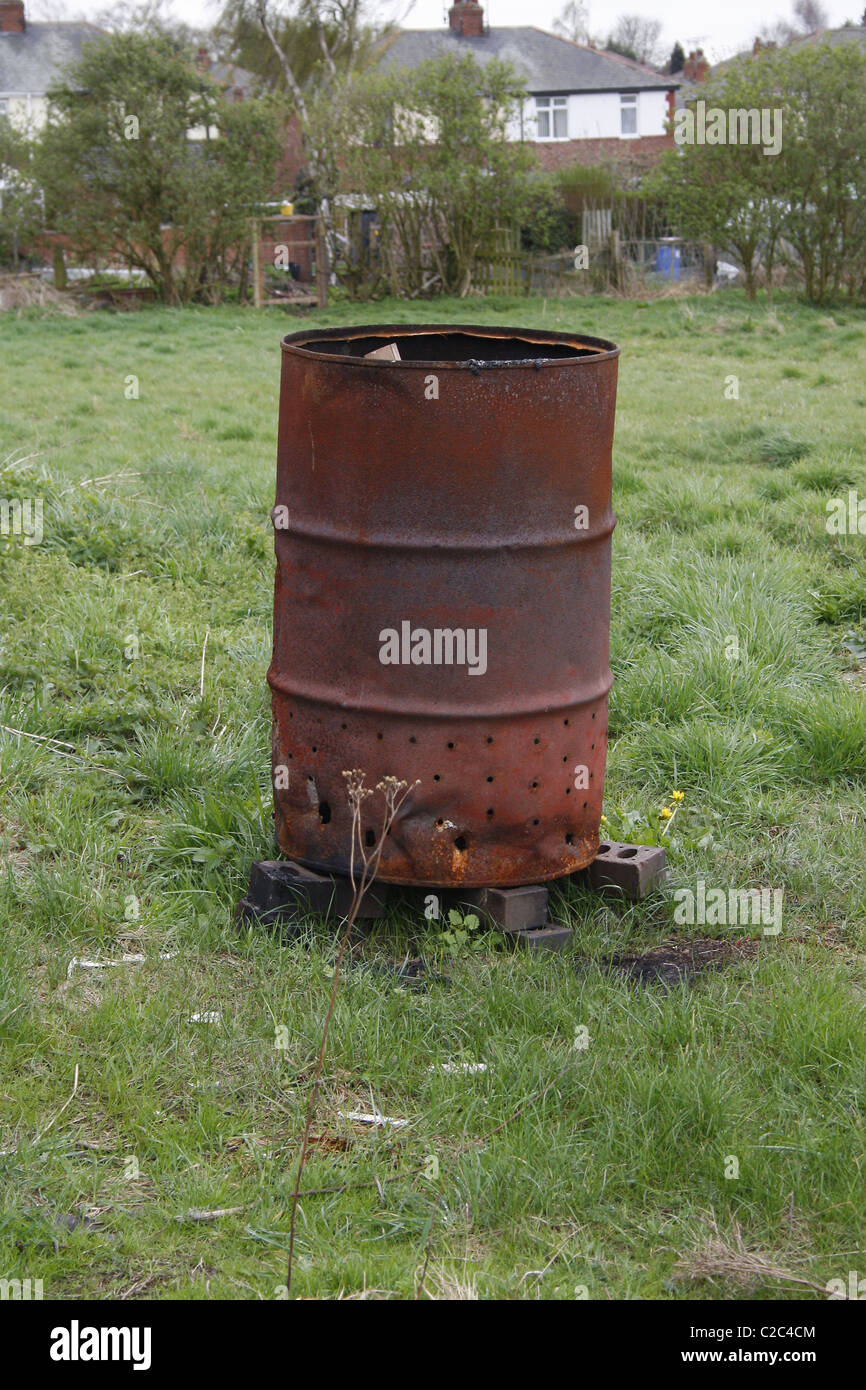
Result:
363,867
729,1259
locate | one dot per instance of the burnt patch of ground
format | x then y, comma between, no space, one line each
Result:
679,962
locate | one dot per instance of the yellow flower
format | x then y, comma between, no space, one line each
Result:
604,820
677,796
666,813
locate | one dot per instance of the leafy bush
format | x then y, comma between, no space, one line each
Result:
142,158
805,204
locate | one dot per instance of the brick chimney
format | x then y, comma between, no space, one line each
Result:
696,67
12,17
466,18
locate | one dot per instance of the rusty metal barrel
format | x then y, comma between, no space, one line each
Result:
442,601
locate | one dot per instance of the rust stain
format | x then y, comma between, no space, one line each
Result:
442,494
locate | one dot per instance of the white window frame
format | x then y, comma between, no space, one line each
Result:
627,105
551,118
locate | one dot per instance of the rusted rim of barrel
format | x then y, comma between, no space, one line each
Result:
586,349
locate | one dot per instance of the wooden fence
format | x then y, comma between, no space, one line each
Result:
279,231
612,263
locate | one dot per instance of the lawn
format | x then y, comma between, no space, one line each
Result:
596,1154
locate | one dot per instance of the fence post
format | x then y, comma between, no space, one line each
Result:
321,265
59,262
615,261
709,264
255,232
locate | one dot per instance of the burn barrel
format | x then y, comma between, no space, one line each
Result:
442,600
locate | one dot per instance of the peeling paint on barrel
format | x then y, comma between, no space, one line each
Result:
455,512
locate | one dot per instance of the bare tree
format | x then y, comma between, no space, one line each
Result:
572,22
315,42
341,37
266,19
810,15
635,35
143,17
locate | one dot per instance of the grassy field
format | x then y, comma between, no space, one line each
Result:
130,816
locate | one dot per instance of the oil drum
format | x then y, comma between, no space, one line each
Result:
442,602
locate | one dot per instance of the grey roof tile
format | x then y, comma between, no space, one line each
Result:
32,61
545,62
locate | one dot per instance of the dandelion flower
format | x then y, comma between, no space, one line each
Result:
677,796
666,813
604,820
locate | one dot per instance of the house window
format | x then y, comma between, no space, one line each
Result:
551,118
628,115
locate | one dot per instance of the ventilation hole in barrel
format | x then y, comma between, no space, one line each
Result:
569,839
536,740
412,738
380,736
324,812
436,777
489,738
534,786
440,822
451,745
490,779
291,716
490,810
535,822
344,726
460,843
591,775
568,791
585,804
565,721
314,749
565,757
370,839
593,716
592,747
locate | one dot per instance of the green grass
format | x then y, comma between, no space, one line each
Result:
134,829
